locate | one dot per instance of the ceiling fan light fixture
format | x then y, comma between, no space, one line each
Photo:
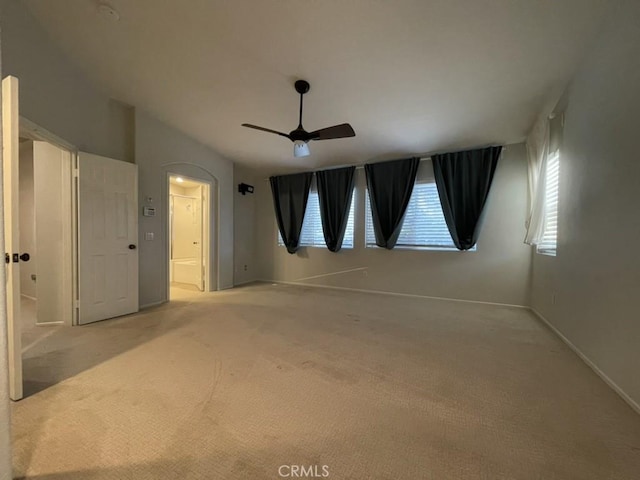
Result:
300,149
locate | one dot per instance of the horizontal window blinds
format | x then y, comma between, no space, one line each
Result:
312,235
549,241
424,224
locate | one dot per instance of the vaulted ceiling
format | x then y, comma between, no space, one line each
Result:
411,76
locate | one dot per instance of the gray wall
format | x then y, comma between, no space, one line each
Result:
160,150
589,291
244,215
55,95
497,272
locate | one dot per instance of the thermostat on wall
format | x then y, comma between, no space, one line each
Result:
148,211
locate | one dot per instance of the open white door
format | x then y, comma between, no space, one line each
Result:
10,162
52,202
108,237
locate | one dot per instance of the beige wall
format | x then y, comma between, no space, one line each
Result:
160,150
27,219
244,214
55,95
589,291
497,272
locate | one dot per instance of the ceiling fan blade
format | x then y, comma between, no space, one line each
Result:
337,131
255,127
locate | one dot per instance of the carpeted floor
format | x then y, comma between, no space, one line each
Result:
235,384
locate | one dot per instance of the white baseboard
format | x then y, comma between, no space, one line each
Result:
395,294
632,403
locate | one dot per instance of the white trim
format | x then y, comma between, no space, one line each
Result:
614,386
27,296
395,294
33,131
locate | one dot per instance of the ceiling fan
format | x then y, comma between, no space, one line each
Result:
300,137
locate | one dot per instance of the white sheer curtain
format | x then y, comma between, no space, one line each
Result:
537,153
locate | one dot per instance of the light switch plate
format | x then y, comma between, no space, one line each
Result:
148,236
149,211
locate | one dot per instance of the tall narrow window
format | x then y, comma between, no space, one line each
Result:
548,244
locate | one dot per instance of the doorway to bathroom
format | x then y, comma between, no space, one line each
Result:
188,236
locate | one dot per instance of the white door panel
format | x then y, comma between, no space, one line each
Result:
107,229
52,200
10,162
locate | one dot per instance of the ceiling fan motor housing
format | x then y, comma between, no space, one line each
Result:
302,86
299,134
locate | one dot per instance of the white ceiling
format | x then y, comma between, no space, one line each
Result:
411,76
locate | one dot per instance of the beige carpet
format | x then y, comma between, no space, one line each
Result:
233,385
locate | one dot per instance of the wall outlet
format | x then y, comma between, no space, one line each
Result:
245,268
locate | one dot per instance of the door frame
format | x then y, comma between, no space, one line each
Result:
206,199
35,132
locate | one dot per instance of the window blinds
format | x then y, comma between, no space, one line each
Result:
424,224
549,241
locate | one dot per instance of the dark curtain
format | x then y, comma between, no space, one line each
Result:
464,180
290,195
335,189
390,185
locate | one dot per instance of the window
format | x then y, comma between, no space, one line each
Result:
312,235
424,225
549,240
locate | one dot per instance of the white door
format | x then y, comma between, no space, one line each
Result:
10,183
52,206
108,238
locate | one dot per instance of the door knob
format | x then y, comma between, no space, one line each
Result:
132,247
25,257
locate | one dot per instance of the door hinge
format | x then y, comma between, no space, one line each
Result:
76,303
75,172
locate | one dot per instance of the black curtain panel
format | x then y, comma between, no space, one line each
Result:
390,185
335,189
463,180
290,195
